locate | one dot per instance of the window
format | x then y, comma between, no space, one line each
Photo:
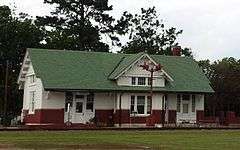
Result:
193,103
140,104
32,78
185,108
185,97
132,104
133,80
79,107
149,104
149,81
178,102
32,102
141,81
90,99
79,96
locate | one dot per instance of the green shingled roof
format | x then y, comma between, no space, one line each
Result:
124,63
77,70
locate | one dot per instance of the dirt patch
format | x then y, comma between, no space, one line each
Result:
73,147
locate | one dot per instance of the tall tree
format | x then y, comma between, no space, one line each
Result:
147,33
224,76
78,25
16,34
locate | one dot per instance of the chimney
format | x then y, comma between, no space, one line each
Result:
176,50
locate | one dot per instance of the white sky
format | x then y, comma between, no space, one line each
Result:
210,27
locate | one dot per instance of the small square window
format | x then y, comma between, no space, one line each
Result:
133,80
141,81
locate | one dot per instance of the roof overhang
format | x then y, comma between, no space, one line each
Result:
24,69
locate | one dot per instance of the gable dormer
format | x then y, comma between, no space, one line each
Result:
130,73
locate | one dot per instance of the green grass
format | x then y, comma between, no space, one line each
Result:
169,140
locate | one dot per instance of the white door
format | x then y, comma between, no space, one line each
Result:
186,114
79,110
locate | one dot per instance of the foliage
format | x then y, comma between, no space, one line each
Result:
78,25
147,33
224,76
16,34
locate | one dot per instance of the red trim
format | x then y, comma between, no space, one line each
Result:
41,116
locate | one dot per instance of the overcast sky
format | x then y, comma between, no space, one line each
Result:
210,27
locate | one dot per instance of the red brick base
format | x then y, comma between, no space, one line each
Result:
104,117
172,114
42,116
122,116
200,115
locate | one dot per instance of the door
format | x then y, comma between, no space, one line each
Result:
186,112
79,111
79,108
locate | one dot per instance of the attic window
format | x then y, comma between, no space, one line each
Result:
141,81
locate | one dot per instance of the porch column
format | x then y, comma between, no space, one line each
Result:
200,108
122,113
156,116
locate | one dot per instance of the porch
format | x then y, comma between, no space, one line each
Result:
132,109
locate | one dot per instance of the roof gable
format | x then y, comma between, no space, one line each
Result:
127,62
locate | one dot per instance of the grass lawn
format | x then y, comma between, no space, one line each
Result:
169,140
